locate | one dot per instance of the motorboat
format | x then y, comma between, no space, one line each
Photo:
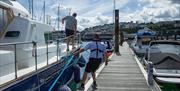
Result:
142,40
162,61
19,30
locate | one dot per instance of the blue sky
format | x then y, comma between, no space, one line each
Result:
98,12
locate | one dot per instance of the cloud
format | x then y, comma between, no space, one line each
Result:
98,12
63,10
99,19
158,10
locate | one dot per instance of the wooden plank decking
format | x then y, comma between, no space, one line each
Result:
122,74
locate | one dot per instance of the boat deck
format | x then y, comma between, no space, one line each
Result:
121,74
20,73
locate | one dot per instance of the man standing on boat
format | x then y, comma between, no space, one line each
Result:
70,28
97,54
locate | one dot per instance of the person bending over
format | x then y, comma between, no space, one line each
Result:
97,54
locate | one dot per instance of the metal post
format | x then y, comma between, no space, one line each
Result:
116,31
47,53
57,53
35,45
15,49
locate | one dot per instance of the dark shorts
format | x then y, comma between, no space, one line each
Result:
69,32
92,65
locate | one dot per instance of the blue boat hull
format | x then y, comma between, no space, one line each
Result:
42,79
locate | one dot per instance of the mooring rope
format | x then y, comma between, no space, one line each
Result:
66,66
61,72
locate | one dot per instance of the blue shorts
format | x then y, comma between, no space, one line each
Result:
69,32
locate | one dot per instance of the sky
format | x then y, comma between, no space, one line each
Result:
98,12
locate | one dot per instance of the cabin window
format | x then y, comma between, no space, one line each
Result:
12,34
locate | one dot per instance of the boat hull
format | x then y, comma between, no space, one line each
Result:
42,79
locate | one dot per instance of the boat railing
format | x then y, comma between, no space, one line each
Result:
15,43
23,58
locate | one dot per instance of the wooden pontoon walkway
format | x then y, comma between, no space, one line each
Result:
122,74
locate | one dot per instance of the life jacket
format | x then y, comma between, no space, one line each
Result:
97,50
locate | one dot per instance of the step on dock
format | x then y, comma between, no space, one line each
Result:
122,74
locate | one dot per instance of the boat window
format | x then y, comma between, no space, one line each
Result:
12,34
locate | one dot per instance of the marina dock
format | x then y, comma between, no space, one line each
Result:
121,74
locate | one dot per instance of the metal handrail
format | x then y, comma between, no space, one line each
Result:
16,43
65,38
34,45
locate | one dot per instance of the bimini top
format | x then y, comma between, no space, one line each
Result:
145,32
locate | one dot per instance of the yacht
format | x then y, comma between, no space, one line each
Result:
27,53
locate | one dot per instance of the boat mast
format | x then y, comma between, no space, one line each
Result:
29,1
32,8
44,17
58,15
